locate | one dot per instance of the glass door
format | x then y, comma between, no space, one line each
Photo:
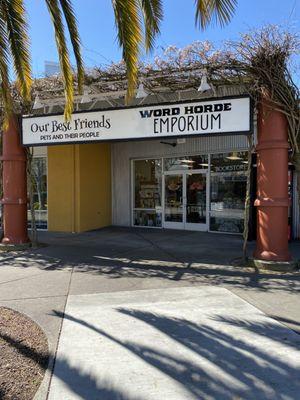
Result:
196,201
185,200
173,200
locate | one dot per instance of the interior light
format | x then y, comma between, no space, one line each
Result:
234,156
186,161
204,164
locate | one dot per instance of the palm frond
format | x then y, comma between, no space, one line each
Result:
56,17
153,14
13,13
69,14
4,74
128,23
219,10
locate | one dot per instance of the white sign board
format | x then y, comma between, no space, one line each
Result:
217,116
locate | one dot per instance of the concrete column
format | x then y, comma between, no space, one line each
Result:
14,186
272,185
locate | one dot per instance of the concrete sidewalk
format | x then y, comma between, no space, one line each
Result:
179,344
38,282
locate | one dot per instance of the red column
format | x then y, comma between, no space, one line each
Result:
272,185
14,186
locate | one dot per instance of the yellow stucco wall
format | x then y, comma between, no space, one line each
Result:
61,183
79,187
95,186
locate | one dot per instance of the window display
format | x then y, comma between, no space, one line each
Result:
227,192
147,193
147,218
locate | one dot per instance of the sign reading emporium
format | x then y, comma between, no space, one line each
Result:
218,116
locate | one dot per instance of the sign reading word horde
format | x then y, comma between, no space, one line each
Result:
222,116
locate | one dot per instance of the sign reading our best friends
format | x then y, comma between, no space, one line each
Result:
222,116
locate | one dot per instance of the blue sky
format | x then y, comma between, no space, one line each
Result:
96,25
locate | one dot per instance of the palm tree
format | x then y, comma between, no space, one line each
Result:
137,23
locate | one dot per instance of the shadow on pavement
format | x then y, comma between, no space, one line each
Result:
246,371
285,320
134,253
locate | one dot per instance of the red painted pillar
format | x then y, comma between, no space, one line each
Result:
14,186
272,185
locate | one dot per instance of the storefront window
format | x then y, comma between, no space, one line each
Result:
147,193
150,218
39,173
227,192
227,187
186,163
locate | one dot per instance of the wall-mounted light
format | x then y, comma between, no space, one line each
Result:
173,144
181,141
141,92
37,103
204,85
85,97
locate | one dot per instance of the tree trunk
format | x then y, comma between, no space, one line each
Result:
247,200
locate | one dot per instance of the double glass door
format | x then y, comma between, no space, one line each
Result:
185,200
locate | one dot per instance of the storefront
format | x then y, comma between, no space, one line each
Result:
176,158
189,171
178,176
187,180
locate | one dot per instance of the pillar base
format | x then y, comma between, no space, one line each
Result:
16,241
280,266
266,255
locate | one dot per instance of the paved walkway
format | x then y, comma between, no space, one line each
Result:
180,344
118,261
